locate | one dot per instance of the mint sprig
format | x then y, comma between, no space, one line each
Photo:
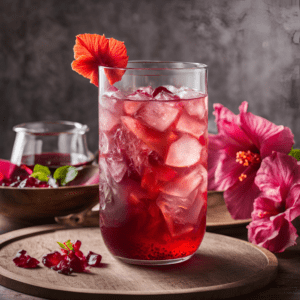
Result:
65,174
295,153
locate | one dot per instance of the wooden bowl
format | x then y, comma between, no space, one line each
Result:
38,203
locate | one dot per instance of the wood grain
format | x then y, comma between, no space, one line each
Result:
222,267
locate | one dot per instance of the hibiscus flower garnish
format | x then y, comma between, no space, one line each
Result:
94,50
236,153
278,204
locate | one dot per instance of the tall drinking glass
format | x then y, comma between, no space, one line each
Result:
153,161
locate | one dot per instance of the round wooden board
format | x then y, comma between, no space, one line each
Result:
222,267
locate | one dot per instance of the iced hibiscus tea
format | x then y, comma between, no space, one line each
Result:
153,162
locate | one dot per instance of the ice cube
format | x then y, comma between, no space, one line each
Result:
158,115
190,125
188,93
139,95
107,120
163,94
184,185
104,175
131,107
184,152
171,88
103,143
181,214
111,101
146,89
134,150
197,107
152,138
116,167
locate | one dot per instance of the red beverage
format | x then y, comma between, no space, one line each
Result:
56,160
153,181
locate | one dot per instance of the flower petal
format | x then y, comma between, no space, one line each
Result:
275,234
277,171
240,197
215,145
93,50
264,208
85,66
222,113
293,202
93,45
236,136
266,135
227,172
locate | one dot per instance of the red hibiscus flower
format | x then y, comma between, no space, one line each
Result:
94,50
278,204
236,152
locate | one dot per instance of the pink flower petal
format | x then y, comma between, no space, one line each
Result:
222,113
280,142
243,107
277,171
240,197
266,135
227,172
275,234
293,202
236,136
215,150
264,208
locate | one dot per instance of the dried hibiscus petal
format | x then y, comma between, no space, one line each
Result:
93,259
23,260
52,259
70,260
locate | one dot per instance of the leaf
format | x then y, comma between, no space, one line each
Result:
65,174
40,176
40,168
40,172
295,153
62,246
69,245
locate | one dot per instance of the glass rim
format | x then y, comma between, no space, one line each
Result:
32,127
193,65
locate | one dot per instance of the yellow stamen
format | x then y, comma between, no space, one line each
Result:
242,177
246,157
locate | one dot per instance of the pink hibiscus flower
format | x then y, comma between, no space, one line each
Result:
278,204
236,152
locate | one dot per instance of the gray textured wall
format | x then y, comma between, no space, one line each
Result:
251,47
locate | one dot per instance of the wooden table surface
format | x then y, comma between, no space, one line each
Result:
286,286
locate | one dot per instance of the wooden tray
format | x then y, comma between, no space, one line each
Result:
222,267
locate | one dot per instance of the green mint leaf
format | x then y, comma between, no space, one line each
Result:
40,172
40,176
65,174
62,246
295,153
43,169
69,245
